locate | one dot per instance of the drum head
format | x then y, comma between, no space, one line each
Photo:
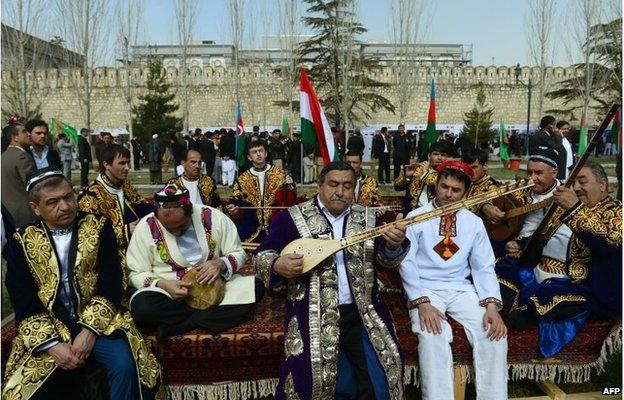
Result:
206,295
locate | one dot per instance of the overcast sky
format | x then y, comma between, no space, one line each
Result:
496,29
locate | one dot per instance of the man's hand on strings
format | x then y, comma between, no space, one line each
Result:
492,213
394,235
289,265
565,197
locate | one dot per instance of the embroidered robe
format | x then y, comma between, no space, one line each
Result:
34,283
207,189
309,365
252,225
580,266
153,253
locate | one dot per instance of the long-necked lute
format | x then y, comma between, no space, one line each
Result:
315,251
533,248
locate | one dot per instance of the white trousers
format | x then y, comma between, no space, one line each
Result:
434,351
228,171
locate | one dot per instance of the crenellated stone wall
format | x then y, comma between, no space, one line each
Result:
212,94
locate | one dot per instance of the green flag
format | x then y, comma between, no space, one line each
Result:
285,126
582,137
57,127
504,153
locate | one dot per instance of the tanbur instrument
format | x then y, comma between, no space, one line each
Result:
513,219
315,251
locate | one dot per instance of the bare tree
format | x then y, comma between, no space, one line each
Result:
84,25
408,24
289,31
22,56
237,28
540,24
185,13
128,16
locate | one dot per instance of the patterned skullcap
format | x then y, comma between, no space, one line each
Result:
546,155
456,165
40,175
172,195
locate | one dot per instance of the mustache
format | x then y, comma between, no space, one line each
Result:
337,198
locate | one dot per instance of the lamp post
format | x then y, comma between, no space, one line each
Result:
529,85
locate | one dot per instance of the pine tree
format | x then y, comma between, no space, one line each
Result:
155,112
478,121
337,68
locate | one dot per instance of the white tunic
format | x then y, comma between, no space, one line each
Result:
193,189
145,262
423,268
260,175
533,219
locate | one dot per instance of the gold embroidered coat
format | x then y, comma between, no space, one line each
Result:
33,280
481,186
97,200
419,190
207,189
369,195
247,188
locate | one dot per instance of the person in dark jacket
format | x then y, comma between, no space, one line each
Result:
381,151
154,157
463,144
355,144
136,152
548,136
43,155
207,149
401,150
294,157
84,156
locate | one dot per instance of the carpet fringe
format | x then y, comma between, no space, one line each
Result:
547,372
223,391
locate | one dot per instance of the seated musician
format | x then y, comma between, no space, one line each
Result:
418,180
542,169
578,272
366,187
335,319
202,188
65,285
113,196
261,187
477,159
449,269
177,237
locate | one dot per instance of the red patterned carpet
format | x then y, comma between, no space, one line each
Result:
251,351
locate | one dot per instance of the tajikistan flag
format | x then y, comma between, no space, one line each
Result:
314,127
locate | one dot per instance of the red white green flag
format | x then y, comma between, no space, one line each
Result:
315,129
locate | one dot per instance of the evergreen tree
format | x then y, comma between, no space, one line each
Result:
604,66
478,121
339,71
154,114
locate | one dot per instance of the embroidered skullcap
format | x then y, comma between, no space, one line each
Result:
172,195
456,165
546,155
40,175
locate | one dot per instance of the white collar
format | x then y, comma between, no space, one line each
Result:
328,213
